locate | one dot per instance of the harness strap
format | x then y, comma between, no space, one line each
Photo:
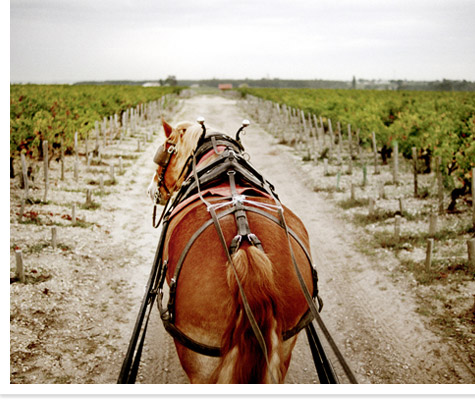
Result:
245,303
167,314
313,308
326,374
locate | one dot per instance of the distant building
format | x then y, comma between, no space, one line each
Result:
151,84
224,87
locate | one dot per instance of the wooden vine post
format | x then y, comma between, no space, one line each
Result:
365,175
24,171
432,224
350,166
352,192
358,148
396,163
45,160
62,160
112,173
471,253
414,163
440,185
473,197
375,152
54,233
332,138
397,229
76,157
20,271
340,143
430,248
73,214
88,197
371,207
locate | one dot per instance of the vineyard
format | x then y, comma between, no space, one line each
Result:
401,204
438,124
384,163
56,112
65,268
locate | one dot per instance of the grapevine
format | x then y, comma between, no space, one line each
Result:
436,123
56,112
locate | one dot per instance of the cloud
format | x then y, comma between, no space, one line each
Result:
334,39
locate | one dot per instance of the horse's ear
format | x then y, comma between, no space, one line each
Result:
182,127
168,129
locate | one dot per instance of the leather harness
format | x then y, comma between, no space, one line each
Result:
233,167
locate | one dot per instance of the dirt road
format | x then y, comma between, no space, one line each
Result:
371,317
369,311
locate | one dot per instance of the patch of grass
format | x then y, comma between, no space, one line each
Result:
352,203
101,193
386,239
37,247
286,142
79,222
95,171
90,206
33,276
107,182
377,216
423,193
63,247
128,156
443,234
326,189
31,217
439,272
110,182
72,190
307,157
39,201
324,154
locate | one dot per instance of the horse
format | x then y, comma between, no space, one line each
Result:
237,262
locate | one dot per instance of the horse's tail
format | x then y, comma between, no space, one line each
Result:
242,359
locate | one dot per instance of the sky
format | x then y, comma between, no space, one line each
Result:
61,41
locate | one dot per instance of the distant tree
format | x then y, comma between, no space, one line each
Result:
171,81
353,83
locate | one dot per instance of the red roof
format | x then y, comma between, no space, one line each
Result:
225,86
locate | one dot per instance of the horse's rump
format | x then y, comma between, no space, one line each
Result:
203,299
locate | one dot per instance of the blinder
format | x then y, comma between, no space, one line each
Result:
163,154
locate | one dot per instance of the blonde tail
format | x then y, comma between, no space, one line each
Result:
243,360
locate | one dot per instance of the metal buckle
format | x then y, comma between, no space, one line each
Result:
171,149
157,196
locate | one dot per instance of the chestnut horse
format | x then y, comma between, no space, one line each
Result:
240,302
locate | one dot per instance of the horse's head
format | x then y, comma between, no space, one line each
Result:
171,158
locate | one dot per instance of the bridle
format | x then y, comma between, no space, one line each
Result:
162,158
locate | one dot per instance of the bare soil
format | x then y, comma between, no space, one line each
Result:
72,319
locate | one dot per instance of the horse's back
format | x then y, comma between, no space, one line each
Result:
202,290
